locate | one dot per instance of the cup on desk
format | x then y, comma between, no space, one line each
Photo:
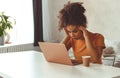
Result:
86,60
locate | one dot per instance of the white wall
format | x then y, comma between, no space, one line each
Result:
103,17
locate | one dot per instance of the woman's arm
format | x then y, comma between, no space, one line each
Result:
93,52
66,40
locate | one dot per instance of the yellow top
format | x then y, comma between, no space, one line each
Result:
79,46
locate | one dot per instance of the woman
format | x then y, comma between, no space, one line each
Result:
83,42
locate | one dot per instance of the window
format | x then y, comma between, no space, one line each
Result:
22,11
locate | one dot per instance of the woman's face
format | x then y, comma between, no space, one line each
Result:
74,32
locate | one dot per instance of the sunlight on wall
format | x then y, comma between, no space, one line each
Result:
22,11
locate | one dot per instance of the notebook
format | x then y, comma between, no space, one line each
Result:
56,53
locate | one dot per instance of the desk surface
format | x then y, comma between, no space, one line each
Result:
31,64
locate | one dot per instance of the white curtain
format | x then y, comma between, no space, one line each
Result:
46,21
50,23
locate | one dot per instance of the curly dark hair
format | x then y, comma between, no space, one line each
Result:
72,14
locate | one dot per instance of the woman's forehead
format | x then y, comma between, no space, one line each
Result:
71,27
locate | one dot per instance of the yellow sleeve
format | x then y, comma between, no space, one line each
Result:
100,41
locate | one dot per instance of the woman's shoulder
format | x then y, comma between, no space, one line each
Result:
97,35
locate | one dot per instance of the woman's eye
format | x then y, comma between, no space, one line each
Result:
69,32
75,31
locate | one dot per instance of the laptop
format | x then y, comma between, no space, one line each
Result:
56,53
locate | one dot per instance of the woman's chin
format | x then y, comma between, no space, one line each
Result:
77,38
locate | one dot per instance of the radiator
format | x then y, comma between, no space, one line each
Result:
3,49
16,48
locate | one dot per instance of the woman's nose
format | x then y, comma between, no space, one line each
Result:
72,34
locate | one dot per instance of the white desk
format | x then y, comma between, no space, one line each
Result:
31,64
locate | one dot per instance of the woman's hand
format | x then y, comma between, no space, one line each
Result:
66,32
85,32
66,38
